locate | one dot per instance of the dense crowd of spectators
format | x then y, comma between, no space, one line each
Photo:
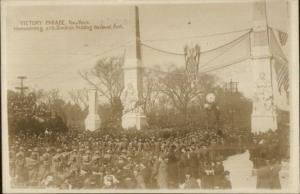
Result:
126,160
266,155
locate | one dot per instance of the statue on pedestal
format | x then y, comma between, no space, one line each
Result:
129,98
264,115
263,98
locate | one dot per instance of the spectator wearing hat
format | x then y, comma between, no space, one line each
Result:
172,168
32,166
154,171
139,179
207,181
225,182
162,176
263,176
21,173
218,174
190,182
56,162
193,162
86,161
45,167
274,174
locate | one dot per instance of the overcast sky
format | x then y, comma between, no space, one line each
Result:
53,59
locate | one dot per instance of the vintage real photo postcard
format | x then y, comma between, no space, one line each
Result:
157,96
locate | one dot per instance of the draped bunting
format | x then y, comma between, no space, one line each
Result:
229,53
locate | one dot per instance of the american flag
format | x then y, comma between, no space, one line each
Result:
282,73
283,36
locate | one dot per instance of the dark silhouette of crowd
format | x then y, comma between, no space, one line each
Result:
124,160
266,155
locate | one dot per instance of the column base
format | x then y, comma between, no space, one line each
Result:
92,122
263,123
133,120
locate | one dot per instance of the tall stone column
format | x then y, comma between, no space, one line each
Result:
263,115
92,121
133,114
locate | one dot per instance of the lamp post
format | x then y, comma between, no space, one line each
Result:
211,105
232,88
207,109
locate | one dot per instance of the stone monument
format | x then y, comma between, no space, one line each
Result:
264,115
92,121
132,97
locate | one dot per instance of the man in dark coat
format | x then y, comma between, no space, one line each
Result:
192,161
219,174
172,169
263,176
21,173
274,175
190,181
225,182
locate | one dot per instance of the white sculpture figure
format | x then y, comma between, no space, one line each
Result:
263,95
129,98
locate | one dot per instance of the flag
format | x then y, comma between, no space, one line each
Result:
283,36
282,74
275,42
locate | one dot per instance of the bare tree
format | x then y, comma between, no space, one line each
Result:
182,87
109,78
151,90
52,96
79,97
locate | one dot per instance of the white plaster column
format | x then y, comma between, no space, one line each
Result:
133,114
92,121
264,115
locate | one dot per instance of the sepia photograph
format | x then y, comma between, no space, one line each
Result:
156,97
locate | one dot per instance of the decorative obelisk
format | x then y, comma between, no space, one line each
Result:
92,121
263,116
132,97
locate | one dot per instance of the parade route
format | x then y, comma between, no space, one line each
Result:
241,176
240,168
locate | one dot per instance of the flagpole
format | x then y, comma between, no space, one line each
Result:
271,55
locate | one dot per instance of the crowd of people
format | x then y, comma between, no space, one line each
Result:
266,155
125,160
